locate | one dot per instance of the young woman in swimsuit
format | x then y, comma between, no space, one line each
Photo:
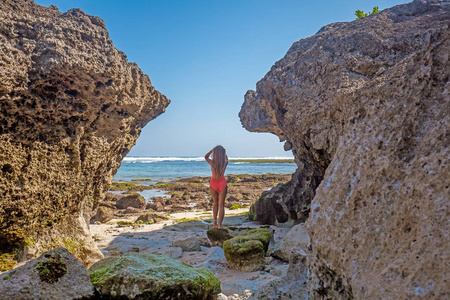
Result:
218,183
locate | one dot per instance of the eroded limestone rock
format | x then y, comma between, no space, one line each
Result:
364,105
297,237
57,274
71,107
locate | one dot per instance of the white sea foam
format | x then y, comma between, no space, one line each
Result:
151,159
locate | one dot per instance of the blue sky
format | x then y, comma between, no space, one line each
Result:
204,55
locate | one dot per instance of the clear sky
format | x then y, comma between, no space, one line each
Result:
204,55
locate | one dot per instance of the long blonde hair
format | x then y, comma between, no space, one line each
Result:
219,161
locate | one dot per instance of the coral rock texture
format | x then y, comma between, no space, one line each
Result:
364,105
71,107
56,274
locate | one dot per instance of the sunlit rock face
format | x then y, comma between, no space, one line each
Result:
71,107
365,106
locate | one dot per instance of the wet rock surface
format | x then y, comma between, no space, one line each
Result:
364,106
71,107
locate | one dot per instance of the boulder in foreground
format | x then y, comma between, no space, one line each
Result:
246,251
152,276
56,274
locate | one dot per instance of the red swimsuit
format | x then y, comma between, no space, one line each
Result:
218,184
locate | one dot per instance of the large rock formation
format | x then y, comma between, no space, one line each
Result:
71,107
365,107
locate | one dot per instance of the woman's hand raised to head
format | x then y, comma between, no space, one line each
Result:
207,156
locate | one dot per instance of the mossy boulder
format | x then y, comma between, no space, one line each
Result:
218,236
152,276
246,251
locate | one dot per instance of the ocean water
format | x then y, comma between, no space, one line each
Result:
167,168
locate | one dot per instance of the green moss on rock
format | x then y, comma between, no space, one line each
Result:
152,276
7,261
235,206
52,268
246,251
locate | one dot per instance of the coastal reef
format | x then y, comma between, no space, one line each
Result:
71,107
364,106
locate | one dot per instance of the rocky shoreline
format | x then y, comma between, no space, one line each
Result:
184,235
164,224
188,194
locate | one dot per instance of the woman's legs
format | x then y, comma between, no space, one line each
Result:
215,196
222,196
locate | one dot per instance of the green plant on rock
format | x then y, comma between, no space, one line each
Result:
124,223
251,213
118,186
51,269
72,245
7,261
184,219
361,14
235,206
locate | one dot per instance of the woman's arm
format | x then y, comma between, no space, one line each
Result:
207,156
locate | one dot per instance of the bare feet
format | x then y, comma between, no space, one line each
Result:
215,225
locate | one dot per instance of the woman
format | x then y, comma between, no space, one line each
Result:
218,184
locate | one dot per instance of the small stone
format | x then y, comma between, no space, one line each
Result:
189,244
218,236
222,297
